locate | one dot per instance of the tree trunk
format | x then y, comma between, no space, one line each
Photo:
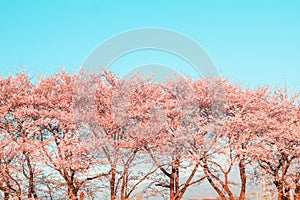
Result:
243,178
112,184
81,195
286,195
123,187
297,192
72,195
176,179
279,187
6,196
172,195
72,189
186,185
31,190
211,182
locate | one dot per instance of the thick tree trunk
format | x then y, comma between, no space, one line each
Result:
279,187
172,182
112,184
31,190
286,195
297,192
243,178
6,196
72,189
72,193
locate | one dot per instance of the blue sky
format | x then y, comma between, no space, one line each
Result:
254,42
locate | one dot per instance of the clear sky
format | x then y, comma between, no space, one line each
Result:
255,42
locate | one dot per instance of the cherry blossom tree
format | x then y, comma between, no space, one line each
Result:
63,151
277,144
18,157
118,129
182,146
96,136
230,151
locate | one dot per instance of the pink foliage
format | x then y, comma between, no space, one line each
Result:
87,136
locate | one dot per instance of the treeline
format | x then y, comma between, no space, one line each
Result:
102,137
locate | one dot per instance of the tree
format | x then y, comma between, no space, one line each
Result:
181,144
63,151
277,144
18,157
85,136
113,125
